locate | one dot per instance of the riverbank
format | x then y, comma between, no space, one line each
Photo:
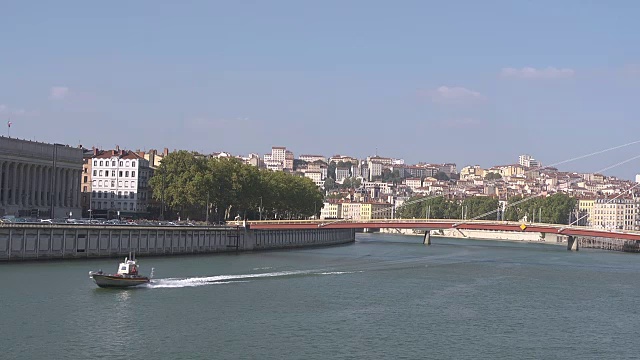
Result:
67,241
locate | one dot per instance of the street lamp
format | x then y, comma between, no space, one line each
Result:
260,208
90,215
118,215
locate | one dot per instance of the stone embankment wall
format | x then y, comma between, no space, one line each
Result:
31,242
583,242
608,244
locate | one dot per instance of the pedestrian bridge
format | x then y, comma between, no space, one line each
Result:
435,224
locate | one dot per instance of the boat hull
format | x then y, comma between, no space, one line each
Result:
111,281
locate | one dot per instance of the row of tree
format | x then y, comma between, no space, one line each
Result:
554,209
202,188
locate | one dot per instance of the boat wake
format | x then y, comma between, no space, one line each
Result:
231,279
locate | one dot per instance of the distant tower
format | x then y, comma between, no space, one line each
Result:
528,161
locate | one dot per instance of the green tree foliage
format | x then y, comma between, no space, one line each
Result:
554,209
435,208
441,176
331,170
476,206
232,188
493,176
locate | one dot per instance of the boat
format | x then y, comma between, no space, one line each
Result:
127,275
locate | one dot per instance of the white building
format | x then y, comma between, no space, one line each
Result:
528,161
316,176
331,211
413,183
341,174
279,154
312,158
120,182
638,178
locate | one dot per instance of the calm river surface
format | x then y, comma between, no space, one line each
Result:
384,297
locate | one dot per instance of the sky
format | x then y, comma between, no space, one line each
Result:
470,82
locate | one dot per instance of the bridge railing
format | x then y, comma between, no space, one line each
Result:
453,222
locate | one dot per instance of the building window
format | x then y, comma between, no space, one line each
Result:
133,164
113,183
126,174
85,179
132,195
120,183
126,184
119,194
100,183
100,162
133,174
120,173
113,204
113,163
95,162
121,162
84,189
95,172
113,173
131,206
127,165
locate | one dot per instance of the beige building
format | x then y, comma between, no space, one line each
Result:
413,183
585,209
614,213
39,179
372,211
471,172
154,158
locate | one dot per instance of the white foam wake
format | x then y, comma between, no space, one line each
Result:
228,279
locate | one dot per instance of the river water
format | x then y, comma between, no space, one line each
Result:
384,297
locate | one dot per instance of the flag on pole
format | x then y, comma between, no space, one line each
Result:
9,123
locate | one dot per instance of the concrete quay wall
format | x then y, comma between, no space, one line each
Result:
35,242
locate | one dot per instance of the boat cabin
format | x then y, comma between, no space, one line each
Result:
128,267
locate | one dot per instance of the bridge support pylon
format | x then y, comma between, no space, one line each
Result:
427,237
572,243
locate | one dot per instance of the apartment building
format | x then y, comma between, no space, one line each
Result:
119,183
527,160
372,211
280,159
312,158
585,211
342,173
331,211
614,213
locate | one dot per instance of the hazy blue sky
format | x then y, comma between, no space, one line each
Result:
471,82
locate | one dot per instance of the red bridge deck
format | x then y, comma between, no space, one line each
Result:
432,224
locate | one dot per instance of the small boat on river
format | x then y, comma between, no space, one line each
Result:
127,275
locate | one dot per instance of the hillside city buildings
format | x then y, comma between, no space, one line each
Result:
115,182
